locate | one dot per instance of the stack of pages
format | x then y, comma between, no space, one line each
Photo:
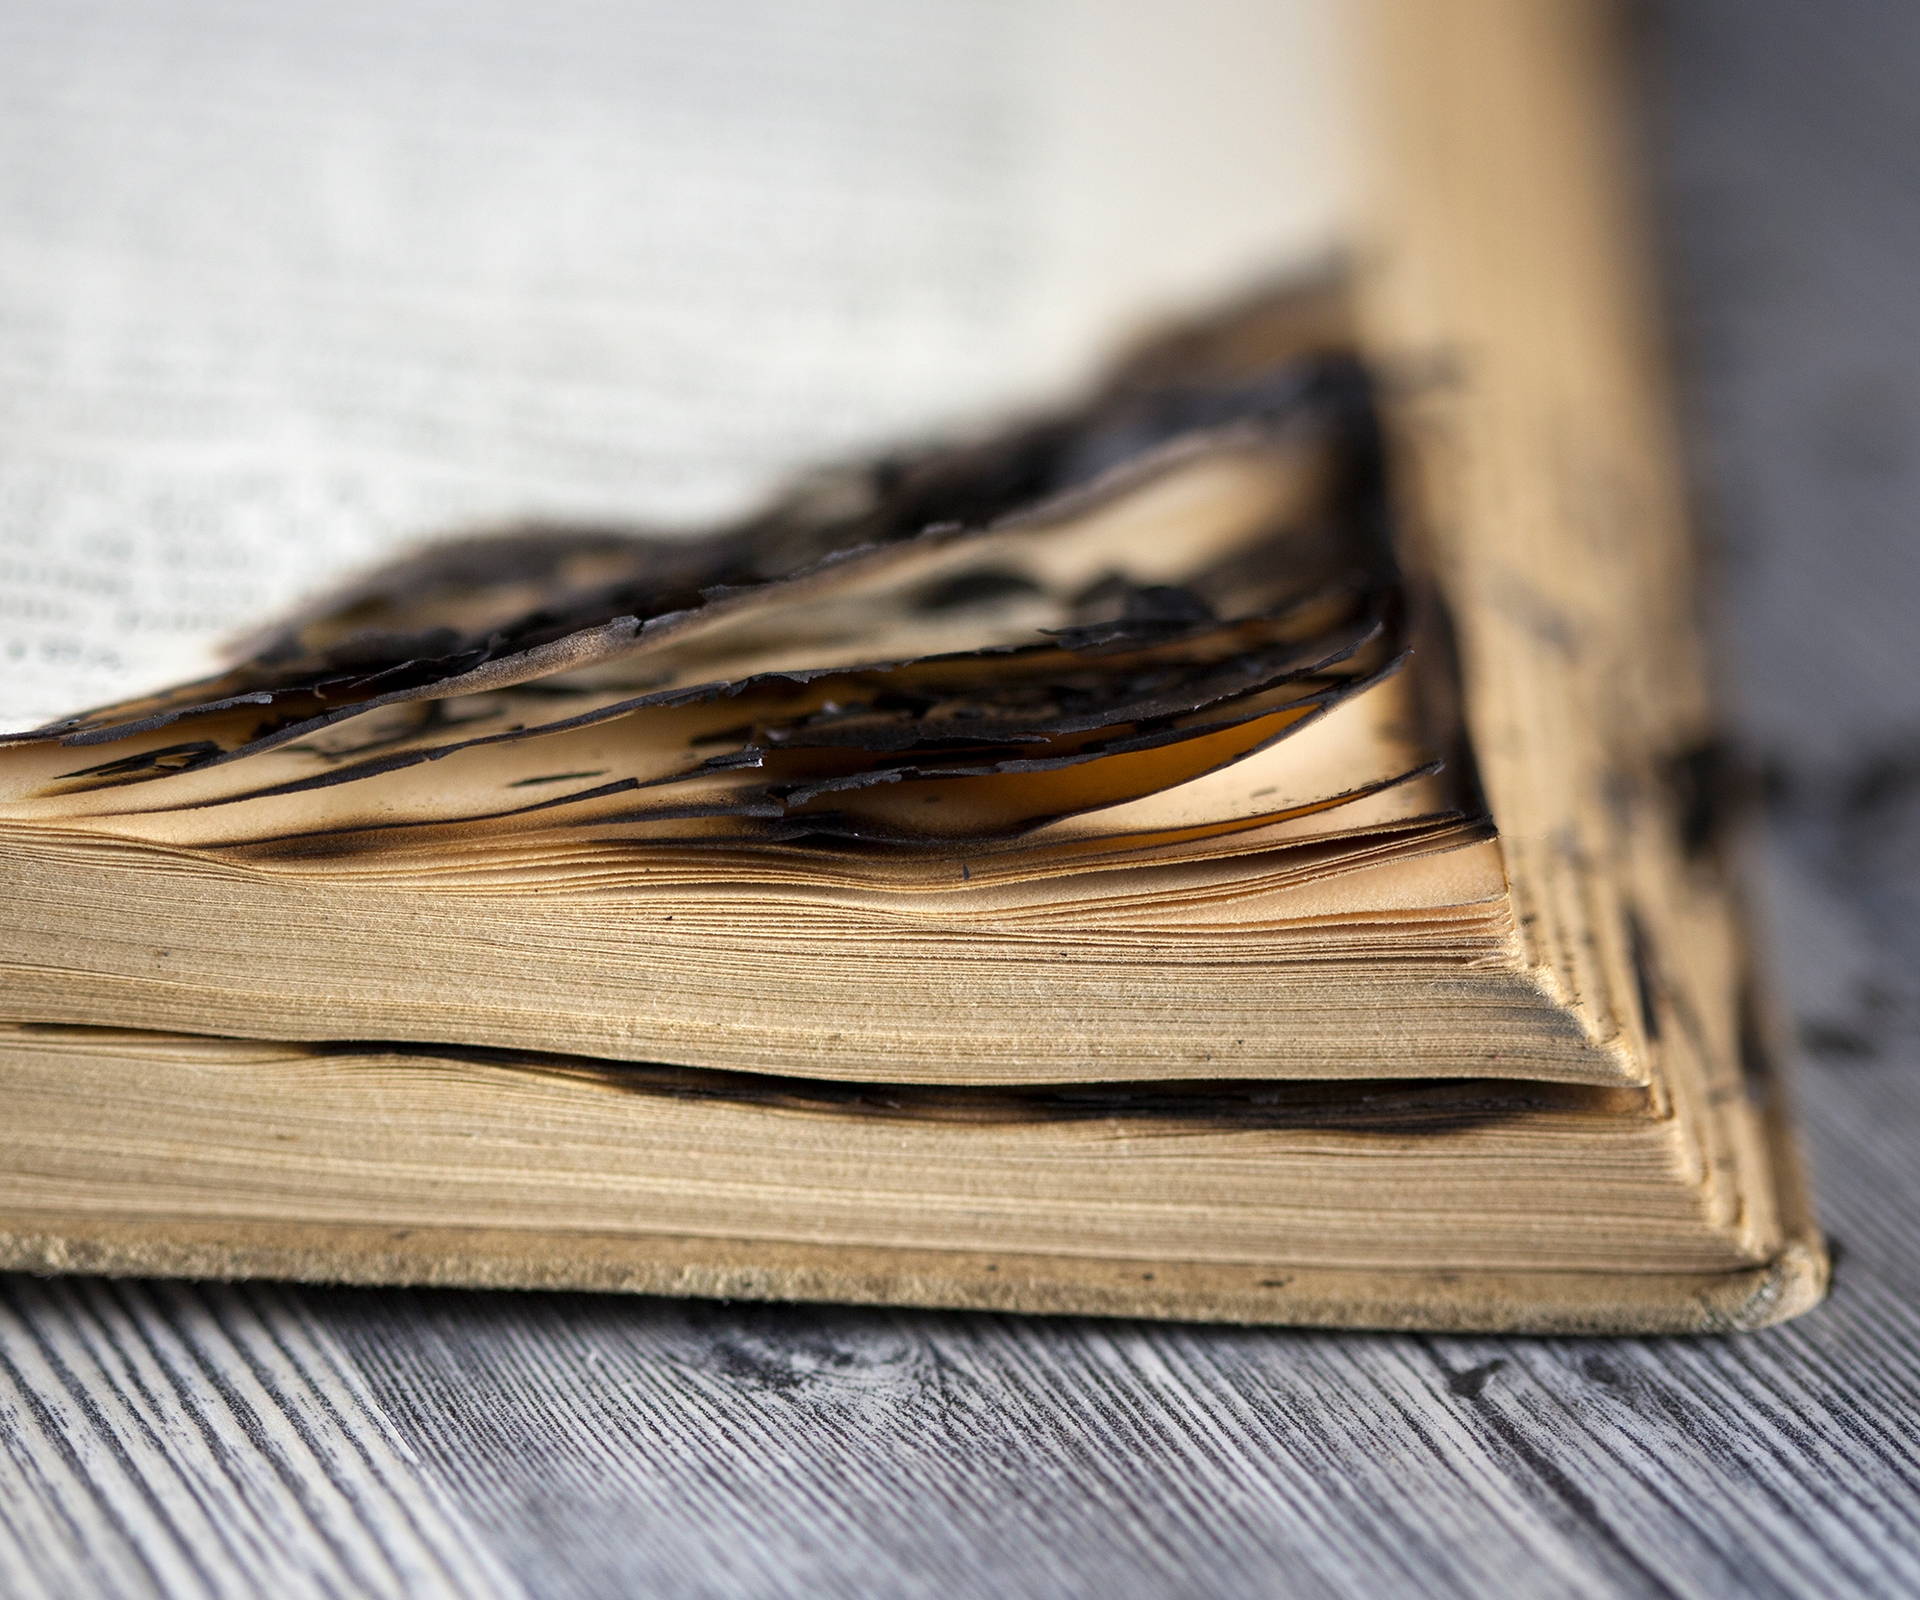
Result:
1234,846
1055,846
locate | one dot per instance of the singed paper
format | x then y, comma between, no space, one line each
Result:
283,289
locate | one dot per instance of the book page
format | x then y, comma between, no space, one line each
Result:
286,289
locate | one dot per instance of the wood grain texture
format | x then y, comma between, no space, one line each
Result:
166,1440
174,1439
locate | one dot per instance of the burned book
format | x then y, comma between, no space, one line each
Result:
1200,851
1038,857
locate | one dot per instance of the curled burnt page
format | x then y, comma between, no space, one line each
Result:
962,643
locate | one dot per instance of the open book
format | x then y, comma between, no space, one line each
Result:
1228,842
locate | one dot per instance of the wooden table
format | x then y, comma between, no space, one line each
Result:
268,1440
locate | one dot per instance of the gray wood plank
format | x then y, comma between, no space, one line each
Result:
173,1439
206,1440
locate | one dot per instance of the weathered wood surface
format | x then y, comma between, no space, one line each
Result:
206,1440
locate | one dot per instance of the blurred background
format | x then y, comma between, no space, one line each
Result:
1785,161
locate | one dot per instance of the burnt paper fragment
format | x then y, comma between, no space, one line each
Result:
960,643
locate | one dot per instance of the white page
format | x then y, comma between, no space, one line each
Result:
285,288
